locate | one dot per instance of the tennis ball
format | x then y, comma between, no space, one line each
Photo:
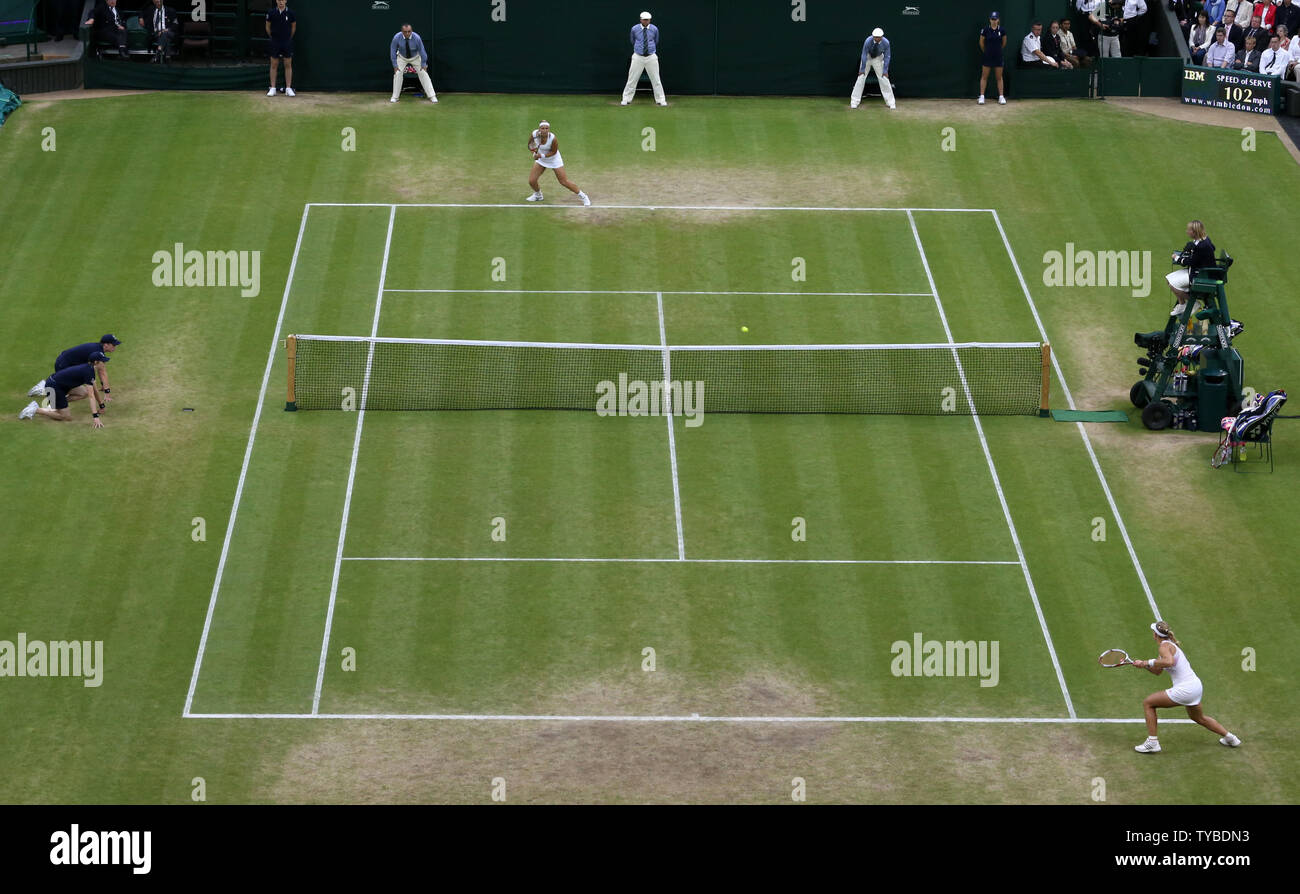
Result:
744,328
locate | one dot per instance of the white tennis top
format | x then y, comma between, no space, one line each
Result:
553,161
1181,670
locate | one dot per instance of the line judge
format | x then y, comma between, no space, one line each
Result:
645,57
406,51
875,57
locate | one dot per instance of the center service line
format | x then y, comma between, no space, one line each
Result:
352,467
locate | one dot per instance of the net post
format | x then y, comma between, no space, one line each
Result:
1047,379
291,349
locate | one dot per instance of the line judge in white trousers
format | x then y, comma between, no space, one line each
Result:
407,49
645,57
875,57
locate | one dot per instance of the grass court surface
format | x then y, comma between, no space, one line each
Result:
523,658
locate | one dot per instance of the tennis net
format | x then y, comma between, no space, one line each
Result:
339,372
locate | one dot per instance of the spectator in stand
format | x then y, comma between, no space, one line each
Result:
1136,32
1214,11
1031,50
1182,10
1273,61
1257,31
1248,58
1112,26
1069,48
112,24
1221,54
1052,46
160,23
1293,65
1232,31
1265,12
1199,37
1287,13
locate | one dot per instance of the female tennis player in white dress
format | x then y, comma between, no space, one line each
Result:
546,156
1185,692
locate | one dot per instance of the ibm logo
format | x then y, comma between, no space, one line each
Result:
1189,75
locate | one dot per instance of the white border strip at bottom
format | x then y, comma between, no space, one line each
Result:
670,718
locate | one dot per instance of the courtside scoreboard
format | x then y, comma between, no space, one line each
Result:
1225,88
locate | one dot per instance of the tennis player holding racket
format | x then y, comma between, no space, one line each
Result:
1185,692
545,148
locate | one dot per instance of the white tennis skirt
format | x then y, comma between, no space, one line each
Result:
1188,694
553,161
1180,279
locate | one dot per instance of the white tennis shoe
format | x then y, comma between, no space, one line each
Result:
271,92
37,390
28,411
1002,100
980,101
535,197
1178,310
585,199
288,91
1150,746
1230,740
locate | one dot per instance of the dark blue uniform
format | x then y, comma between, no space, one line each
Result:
76,356
65,380
281,32
992,46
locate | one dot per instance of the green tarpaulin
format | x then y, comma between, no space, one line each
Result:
8,102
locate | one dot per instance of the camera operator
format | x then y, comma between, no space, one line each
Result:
1197,253
1112,26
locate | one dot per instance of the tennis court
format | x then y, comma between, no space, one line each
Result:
517,564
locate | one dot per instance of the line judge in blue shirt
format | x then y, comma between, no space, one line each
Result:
645,57
406,49
875,57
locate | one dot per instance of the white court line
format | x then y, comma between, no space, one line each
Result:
680,560
672,439
352,467
1083,432
661,292
997,484
664,718
243,469
632,207
681,718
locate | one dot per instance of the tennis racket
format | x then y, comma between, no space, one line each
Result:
1114,658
